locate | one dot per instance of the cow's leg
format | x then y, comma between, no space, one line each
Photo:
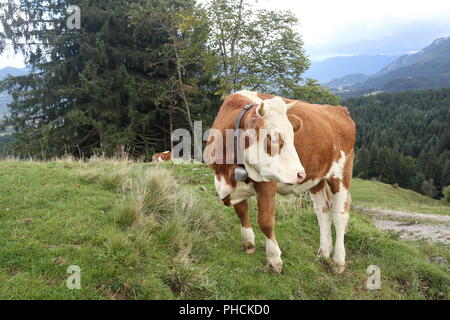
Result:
265,197
248,237
321,199
340,208
340,212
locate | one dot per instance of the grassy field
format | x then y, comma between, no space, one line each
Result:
383,196
143,231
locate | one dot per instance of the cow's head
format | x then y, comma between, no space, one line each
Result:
271,154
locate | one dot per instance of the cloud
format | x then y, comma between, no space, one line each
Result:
11,59
354,26
349,27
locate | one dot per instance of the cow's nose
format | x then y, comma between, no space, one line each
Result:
301,176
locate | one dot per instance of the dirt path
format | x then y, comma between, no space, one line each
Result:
436,230
404,214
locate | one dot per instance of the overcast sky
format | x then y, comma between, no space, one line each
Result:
348,27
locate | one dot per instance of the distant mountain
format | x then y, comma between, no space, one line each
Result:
5,99
338,67
12,71
347,80
439,50
426,69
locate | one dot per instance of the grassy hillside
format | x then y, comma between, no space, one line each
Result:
380,195
143,231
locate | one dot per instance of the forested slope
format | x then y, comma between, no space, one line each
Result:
404,138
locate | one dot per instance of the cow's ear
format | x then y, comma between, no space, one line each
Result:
290,105
296,122
262,110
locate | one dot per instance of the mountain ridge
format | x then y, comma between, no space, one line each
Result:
347,80
436,49
427,69
333,68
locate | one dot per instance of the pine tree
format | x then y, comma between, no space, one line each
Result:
446,174
412,129
116,82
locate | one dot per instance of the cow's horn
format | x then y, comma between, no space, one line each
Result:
261,110
290,105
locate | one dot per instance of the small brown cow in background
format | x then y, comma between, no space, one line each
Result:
162,157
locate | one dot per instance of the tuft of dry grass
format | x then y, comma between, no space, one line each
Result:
185,279
156,195
154,205
10,158
293,205
113,180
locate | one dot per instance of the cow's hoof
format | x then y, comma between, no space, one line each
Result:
276,267
249,248
340,269
323,253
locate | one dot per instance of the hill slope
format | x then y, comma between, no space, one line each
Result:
136,233
427,69
375,194
404,138
438,50
346,81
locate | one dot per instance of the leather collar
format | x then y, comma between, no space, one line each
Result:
237,127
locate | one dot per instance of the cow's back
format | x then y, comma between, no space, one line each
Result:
325,132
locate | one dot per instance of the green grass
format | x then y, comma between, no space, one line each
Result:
384,196
143,231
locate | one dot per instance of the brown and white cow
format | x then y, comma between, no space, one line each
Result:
314,151
162,157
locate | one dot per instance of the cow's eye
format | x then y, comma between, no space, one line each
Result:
274,144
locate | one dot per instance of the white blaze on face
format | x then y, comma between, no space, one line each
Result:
283,166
